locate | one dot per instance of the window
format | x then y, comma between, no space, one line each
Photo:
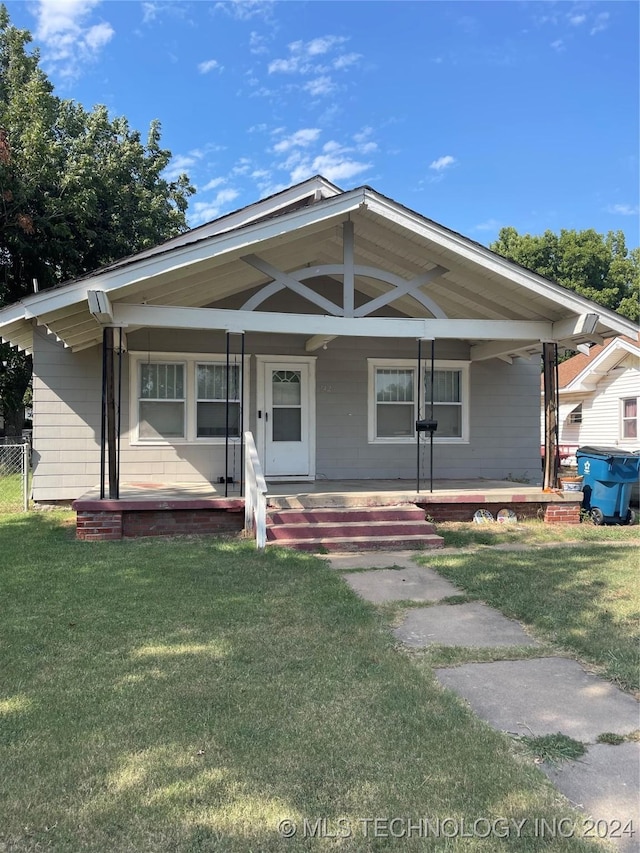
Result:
395,406
393,400
212,400
630,418
179,400
161,401
575,415
447,401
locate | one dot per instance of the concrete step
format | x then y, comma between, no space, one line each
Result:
340,515
331,530
359,543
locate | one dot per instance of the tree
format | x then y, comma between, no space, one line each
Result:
78,190
594,265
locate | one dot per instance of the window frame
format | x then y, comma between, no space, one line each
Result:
625,420
190,379
463,367
140,399
198,399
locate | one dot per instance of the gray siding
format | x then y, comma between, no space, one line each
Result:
504,416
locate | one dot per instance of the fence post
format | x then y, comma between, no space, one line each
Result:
25,476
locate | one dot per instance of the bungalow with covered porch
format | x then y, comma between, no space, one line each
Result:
322,352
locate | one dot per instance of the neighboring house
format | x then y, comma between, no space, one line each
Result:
320,297
598,396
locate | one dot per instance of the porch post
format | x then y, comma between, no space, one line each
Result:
419,415
241,428
110,405
119,420
226,422
103,414
550,385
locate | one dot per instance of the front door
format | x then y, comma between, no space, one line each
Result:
286,421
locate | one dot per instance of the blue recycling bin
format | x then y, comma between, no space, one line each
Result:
609,474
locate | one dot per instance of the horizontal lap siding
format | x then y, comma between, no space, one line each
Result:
601,412
504,418
66,419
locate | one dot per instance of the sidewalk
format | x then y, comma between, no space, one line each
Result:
537,696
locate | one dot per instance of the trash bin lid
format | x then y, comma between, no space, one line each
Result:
604,451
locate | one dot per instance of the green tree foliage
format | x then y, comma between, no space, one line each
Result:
594,265
78,189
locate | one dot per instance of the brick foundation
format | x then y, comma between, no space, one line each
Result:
108,520
568,513
553,513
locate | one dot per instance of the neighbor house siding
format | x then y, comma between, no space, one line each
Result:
601,415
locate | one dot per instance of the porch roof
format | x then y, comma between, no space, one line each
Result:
301,234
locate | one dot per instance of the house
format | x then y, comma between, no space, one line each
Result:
598,392
323,322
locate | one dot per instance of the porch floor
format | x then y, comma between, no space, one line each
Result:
335,493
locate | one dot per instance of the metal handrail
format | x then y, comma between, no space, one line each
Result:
255,500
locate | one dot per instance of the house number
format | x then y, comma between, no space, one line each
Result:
327,389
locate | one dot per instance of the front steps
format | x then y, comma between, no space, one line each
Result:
327,529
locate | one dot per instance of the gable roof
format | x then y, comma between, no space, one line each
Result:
582,372
301,227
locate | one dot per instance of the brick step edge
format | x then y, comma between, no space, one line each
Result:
345,514
359,543
356,528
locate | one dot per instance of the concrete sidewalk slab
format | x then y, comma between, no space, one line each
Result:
474,624
414,583
604,783
371,560
543,696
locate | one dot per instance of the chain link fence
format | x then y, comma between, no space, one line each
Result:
14,476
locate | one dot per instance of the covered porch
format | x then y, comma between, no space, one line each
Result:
153,509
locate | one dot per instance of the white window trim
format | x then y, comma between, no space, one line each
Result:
623,420
189,360
405,364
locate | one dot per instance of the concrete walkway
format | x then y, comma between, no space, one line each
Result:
536,696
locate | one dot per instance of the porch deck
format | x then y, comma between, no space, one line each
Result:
327,493
145,509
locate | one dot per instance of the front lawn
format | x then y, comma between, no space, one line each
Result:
190,694
583,598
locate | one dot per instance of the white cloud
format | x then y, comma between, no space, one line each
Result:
623,209
576,20
346,60
303,57
245,10
319,86
333,166
68,40
558,45
212,184
179,164
209,65
442,163
488,225
601,23
257,43
301,138
205,211
149,12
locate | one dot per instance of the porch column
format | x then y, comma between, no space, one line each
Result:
550,386
110,422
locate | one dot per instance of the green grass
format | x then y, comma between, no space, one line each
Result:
583,599
11,494
189,694
465,534
554,748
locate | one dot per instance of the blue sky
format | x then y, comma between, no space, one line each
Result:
475,114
